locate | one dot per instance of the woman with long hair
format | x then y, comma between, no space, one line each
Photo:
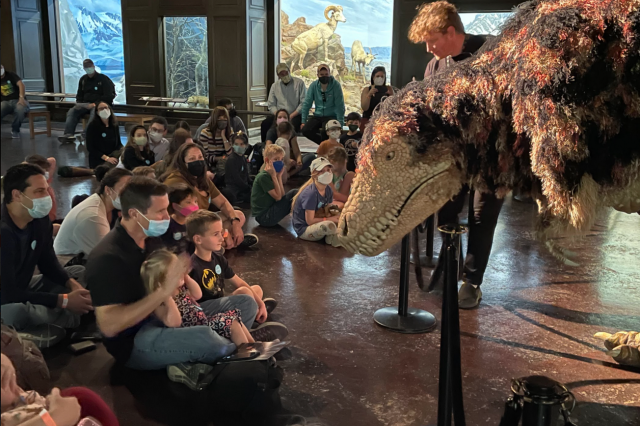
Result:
216,141
180,137
372,95
103,137
136,152
189,167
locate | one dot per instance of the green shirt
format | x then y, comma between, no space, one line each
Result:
260,198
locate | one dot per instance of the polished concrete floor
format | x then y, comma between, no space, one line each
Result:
537,317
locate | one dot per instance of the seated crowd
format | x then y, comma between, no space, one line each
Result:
145,252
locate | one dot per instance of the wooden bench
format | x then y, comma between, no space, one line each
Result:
32,130
123,117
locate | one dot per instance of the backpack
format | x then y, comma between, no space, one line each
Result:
32,372
257,158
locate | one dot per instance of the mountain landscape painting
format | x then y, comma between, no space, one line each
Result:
92,29
484,23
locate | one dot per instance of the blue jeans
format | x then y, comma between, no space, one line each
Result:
278,211
19,113
74,115
157,346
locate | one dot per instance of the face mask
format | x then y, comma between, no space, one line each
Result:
324,80
156,227
90,70
41,206
186,211
353,127
278,166
378,81
326,178
46,176
240,150
281,120
105,113
155,136
286,79
197,168
140,140
116,202
222,124
334,134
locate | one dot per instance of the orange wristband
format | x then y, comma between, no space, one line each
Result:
65,301
46,418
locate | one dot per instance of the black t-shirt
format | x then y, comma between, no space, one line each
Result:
9,86
130,160
210,276
175,238
351,143
113,278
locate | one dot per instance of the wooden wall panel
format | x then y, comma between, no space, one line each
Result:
257,55
7,49
28,44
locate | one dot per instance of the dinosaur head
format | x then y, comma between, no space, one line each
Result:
337,14
409,166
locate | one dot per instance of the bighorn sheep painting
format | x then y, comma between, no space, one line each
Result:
360,57
317,36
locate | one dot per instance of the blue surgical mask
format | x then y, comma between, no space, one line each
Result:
41,206
240,150
278,166
156,227
90,70
116,202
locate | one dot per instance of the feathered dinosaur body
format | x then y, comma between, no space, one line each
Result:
550,106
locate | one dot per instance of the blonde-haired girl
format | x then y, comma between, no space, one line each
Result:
182,310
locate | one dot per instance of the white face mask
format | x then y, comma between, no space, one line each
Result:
334,134
116,202
378,81
41,207
155,136
286,79
326,178
46,176
104,114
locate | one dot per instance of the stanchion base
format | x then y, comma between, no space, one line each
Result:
416,321
427,262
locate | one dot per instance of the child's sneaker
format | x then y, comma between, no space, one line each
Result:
44,335
189,374
270,304
249,240
270,331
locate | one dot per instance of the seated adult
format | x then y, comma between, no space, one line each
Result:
287,93
180,137
326,94
103,137
92,87
55,296
190,168
216,141
48,165
88,222
157,142
136,152
372,95
123,308
181,124
13,100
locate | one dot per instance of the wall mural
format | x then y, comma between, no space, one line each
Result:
92,29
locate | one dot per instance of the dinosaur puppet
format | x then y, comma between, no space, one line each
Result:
550,107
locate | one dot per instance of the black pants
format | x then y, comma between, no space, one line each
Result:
484,210
314,128
268,122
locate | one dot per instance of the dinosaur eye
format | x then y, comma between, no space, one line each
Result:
390,156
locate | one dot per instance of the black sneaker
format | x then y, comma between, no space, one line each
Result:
189,374
66,138
270,331
270,304
283,354
44,336
469,297
249,240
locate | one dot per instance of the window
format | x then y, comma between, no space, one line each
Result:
91,29
361,40
187,60
484,23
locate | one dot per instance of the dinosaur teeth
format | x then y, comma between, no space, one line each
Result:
383,220
373,231
393,221
363,240
367,235
379,226
389,216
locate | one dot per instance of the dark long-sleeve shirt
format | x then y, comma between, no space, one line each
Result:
130,160
236,173
22,251
96,88
101,140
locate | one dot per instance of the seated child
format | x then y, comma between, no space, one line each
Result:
146,171
269,203
210,270
351,139
342,178
182,203
314,197
334,130
288,140
236,170
181,309
47,164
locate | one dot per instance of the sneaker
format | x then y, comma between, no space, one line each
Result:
189,374
270,331
270,304
66,138
469,297
249,240
44,336
80,138
15,135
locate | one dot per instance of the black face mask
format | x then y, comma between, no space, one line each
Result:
324,80
353,127
197,168
232,112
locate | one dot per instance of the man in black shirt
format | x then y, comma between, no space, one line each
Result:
55,296
92,88
124,308
446,40
13,100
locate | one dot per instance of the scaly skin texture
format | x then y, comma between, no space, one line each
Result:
550,107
